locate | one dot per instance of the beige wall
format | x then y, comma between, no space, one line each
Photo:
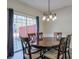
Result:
62,24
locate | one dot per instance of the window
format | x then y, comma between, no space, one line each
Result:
31,21
22,21
18,22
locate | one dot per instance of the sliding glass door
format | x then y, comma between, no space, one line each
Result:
19,21
22,22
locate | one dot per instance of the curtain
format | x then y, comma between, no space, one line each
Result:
10,51
37,20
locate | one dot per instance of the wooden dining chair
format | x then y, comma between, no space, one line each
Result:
27,52
68,40
57,35
40,35
33,38
58,54
33,41
24,45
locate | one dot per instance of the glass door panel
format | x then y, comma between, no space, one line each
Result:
24,25
19,21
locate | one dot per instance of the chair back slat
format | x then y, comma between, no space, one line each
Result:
40,35
32,38
57,35
25,42
68,41
61,50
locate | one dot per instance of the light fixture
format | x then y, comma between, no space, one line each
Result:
54,18
49,15
44,17
47,19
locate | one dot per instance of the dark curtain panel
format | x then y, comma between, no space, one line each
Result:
37,19
10,51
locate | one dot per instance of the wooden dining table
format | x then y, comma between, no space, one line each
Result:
47,43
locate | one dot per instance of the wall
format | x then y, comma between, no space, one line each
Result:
62,24
26,10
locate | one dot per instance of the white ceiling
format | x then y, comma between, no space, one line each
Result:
42,5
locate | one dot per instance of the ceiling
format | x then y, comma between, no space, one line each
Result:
42,5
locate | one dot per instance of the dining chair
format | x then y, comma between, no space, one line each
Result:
57,35
68,40
23,46
33,41
40,35
27,52
33,38
58,54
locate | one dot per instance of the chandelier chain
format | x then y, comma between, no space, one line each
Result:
49,6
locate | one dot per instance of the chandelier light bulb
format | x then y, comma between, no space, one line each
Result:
50,16
44,17
47,19
54,18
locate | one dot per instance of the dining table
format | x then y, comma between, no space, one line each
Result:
46,43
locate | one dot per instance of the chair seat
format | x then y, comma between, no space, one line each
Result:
34,56
33,50
52,54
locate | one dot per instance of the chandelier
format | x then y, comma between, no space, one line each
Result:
49,15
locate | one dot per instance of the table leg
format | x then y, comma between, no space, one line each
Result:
42,55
